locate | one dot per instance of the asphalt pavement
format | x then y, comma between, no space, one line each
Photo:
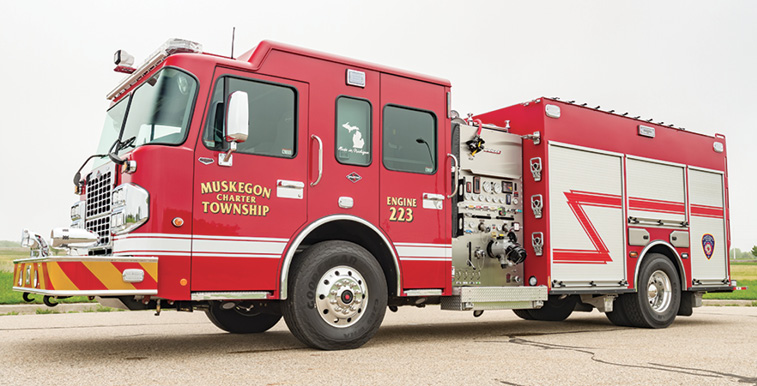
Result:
716,346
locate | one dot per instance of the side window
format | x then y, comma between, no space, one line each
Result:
409,140
353,131
272,118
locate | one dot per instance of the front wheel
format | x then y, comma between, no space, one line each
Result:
337,296
656,302
239,320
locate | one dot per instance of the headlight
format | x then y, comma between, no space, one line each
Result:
131,208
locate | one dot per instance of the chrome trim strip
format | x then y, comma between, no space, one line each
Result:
86,293
423,292
108,258
310,228
457,174
320,160
684,281
256,295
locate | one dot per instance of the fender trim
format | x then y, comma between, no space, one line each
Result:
284,280
684,282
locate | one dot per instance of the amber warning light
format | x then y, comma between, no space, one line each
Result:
124,62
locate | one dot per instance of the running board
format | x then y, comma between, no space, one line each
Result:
494,298
234,295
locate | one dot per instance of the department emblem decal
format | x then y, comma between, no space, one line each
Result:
354,177
708,245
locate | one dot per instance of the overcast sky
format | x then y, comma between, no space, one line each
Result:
691,63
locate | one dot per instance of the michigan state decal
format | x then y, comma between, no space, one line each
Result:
708,245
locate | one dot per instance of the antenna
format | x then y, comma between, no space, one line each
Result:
233,30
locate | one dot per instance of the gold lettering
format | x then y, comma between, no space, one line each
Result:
214,207
224,186
205,207
237,209
206,188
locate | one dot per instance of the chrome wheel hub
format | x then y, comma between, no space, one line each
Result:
341,295
659,291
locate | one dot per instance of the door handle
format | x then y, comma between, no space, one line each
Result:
320,160
457,175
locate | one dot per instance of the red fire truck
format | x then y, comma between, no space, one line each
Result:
288,182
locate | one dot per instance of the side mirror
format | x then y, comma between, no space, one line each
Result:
237,123
237,117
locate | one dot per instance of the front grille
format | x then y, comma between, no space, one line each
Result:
97,210
101,226
98,194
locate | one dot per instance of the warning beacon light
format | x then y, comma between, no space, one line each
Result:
124,62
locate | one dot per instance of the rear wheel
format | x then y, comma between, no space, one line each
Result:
337,296
618,315
555,309
656,302
239,320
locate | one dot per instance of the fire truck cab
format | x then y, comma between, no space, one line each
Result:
288,182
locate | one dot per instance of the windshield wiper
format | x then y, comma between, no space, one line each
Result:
125,144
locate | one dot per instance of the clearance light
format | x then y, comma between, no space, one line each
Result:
633,254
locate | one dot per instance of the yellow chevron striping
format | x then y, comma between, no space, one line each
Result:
58,278
151,269
108,274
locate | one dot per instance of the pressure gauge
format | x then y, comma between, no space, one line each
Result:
487,186
497,187
467,196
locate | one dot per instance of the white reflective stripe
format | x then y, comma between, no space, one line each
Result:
213,237
423,259
242,238
152,244
152,235
424,250
150,253
213,246
222,254
423,245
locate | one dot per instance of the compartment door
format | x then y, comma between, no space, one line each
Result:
709,246
586,217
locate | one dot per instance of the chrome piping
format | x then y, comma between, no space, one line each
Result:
320,160
86,292
457,174
310,228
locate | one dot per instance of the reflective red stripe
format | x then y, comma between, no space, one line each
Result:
80,275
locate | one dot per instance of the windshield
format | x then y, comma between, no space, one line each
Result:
112,127
157,112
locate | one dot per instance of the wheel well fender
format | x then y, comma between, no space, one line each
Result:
668,251
348,228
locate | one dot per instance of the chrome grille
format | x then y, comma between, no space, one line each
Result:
97,210
101,226
98,194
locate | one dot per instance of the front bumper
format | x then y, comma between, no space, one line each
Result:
86,275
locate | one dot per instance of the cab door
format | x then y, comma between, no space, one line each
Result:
245,210
344,176
413,206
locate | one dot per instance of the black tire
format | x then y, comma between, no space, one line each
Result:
618,315
523,314
659,311
555,309
325,277
240,321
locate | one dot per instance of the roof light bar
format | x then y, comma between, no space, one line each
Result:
170,47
